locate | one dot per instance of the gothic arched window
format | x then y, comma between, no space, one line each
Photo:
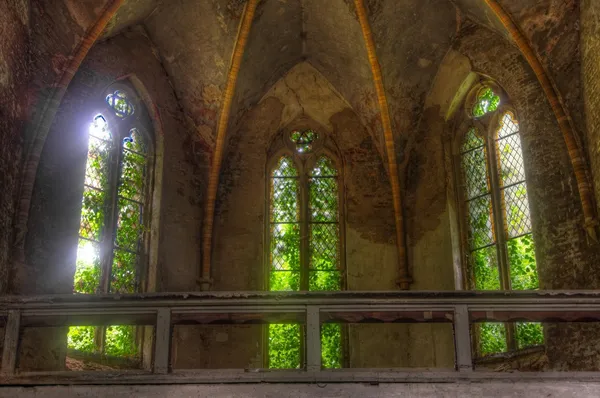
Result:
500,246
111,255
304,241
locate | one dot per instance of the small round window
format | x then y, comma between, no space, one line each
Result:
119,102
304,140
487,101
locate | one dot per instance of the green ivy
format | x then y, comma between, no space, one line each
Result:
487,101
119,340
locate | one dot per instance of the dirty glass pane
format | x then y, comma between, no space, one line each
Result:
471,140
481,232
475,173
485,268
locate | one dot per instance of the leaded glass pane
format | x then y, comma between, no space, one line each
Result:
324,168
508,125
284,281
475,172
130,225
99,129
284,346
324,246
120,103
285,168
325,281
471,140
487,101
285,247
521,259
133,176
93,211
511,160
480,222
492,338
123,272
485,268
284,200
331,346
323,193
518,219
135,142
97,163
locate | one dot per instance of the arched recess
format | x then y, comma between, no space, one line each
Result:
48,251
37,132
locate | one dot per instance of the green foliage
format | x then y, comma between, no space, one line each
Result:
284,346
303,140
523,268
487,101
331,346
81,338
529,334
120,341
485,267
286,269
492,338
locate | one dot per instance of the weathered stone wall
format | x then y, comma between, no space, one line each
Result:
565,258
14,75
590,70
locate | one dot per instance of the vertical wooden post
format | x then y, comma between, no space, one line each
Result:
313,339
462,339
162,342
11,343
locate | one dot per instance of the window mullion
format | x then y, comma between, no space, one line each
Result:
304,233
500,231
112,218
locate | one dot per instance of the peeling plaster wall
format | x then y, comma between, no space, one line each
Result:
590,49
565,259
54,220
196,40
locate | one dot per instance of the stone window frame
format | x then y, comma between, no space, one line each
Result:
487,128
120,128
304,162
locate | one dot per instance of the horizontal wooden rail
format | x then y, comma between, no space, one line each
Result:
165,310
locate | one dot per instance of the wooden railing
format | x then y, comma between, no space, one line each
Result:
165,310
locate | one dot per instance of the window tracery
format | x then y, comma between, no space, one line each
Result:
304,201
113,220
498,221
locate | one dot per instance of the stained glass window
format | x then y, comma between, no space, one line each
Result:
113,216
316,269
501,198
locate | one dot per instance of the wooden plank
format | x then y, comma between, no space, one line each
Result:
313,339
462,339
11,342
162,342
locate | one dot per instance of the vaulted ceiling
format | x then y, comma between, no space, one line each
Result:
195,40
